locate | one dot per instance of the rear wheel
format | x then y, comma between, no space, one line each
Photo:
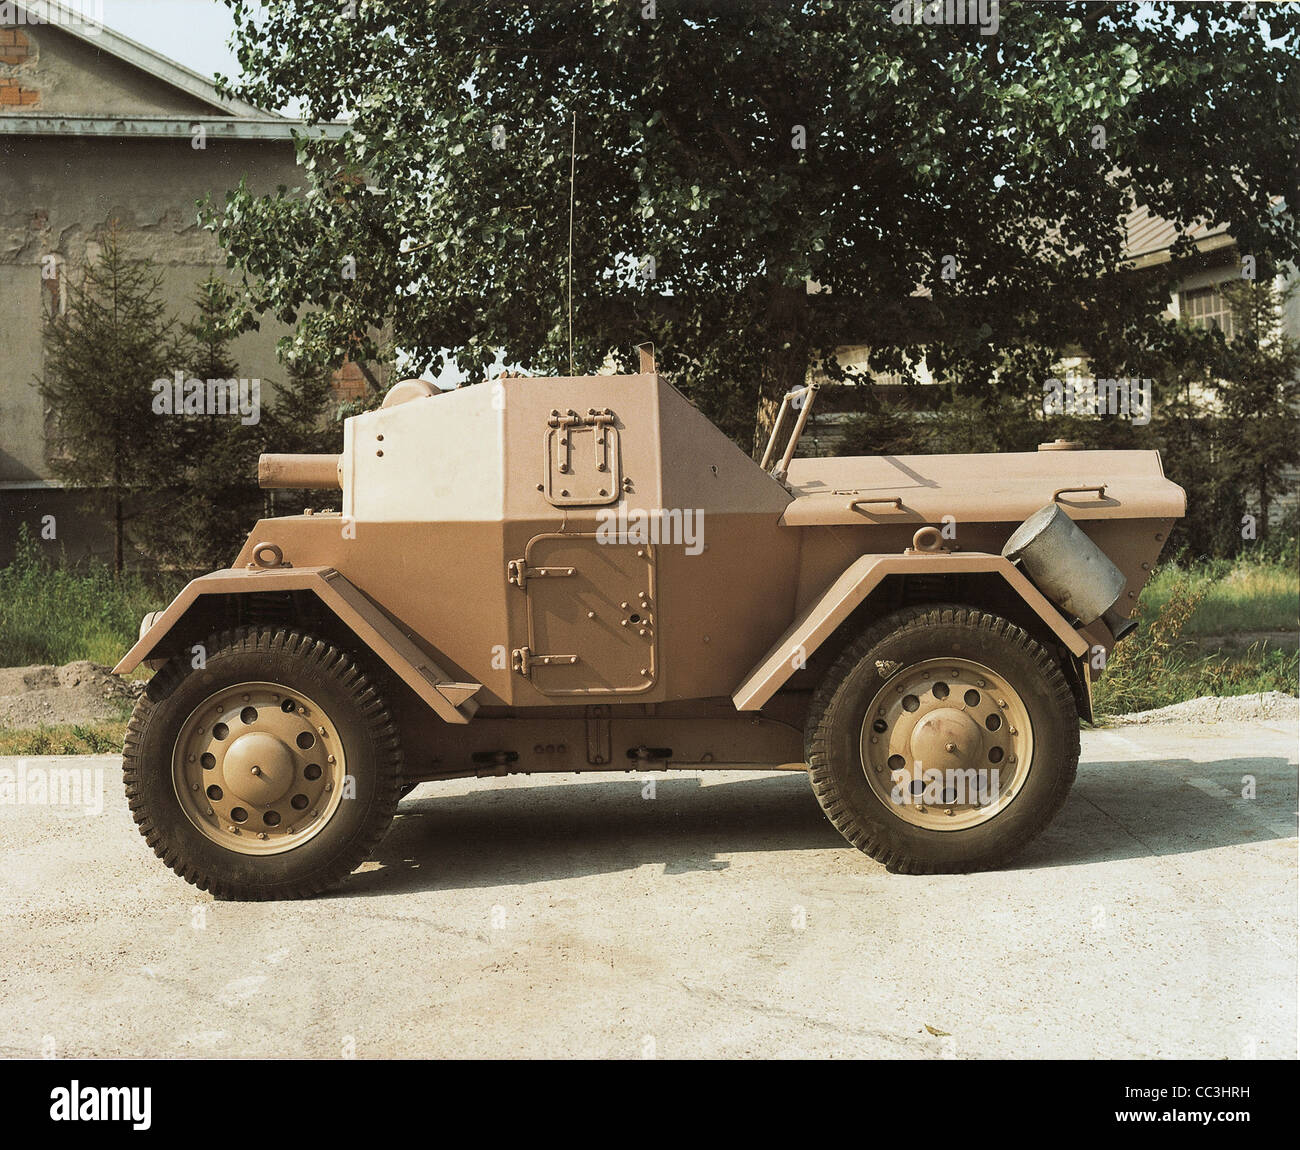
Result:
271,771
943,740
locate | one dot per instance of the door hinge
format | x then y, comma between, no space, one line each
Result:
523,659
518,572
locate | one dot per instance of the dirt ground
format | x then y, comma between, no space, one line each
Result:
81,692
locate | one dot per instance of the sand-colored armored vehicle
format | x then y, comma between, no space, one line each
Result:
584,574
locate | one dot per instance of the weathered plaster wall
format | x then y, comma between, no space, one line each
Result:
57,194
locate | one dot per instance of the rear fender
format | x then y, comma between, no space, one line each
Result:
822,616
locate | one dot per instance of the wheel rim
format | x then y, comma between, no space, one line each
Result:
258,769
947,744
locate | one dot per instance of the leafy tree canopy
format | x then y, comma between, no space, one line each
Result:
728,154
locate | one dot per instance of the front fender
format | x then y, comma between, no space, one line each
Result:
837,602
452,701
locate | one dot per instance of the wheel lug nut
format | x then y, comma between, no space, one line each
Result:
194,786
1002,702
952,747
262,836
329,758
320,730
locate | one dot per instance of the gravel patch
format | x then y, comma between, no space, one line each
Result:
1267,705
81,692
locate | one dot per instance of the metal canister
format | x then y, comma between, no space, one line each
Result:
1067,566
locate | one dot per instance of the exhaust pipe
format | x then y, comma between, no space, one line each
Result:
1069,568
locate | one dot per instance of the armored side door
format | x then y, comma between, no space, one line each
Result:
591,615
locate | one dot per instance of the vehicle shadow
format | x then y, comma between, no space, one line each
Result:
1120,810
540,831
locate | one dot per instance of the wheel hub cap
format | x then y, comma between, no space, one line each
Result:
943,733
258,768
946,744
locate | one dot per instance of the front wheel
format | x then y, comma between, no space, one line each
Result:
943,740
270,771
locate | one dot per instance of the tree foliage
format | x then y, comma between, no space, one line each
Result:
213,496
102,355
946,188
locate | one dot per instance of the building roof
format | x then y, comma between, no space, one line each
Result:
1148,238
130,127
237,119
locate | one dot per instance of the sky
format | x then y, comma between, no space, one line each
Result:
191,32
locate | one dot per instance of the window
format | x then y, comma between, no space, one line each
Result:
1205,307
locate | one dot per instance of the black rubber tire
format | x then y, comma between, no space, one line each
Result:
838,709
300,662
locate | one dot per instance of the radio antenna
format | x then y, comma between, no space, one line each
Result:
573,153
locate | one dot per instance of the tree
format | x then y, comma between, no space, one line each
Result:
102,357
207,489
214,495
1260,390
726,156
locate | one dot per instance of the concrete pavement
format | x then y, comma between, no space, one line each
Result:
571,916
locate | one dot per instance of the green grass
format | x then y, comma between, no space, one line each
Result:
1240,595
65,739
54,612
1162,664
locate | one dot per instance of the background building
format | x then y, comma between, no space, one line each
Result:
94,128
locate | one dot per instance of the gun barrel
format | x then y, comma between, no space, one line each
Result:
300,472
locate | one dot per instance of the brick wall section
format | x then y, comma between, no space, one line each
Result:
14,95
14,46
349,383
15,49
